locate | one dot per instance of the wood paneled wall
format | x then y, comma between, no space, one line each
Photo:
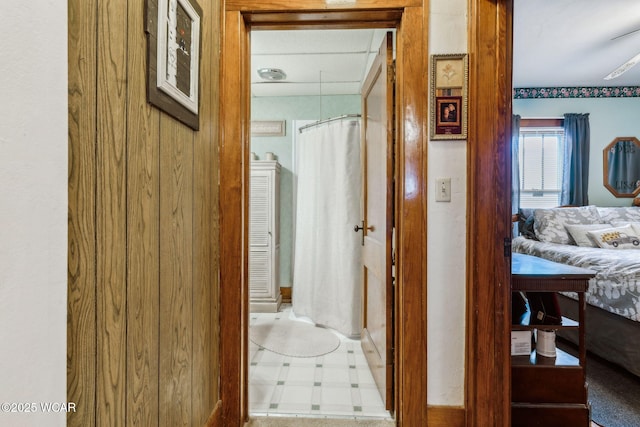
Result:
143,302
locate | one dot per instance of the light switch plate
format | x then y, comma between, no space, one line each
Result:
443,189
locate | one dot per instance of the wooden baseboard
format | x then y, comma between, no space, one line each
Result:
215,419
286,295
445,416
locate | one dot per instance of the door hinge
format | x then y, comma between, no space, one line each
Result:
507,247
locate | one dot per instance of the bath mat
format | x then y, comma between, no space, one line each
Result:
293,338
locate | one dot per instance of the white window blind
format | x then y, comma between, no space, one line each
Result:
540,161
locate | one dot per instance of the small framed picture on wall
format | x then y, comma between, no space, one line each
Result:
449,77
448,112
173,58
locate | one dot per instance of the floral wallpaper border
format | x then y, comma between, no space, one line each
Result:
577,92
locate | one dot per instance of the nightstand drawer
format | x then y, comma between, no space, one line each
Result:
555,415
548,384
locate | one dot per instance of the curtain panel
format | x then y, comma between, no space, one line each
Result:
515,166
327,271
575,180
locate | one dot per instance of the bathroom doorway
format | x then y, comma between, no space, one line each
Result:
411,87
320,172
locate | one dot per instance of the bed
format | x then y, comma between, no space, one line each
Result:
606,240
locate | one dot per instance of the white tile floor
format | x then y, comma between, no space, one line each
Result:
338,384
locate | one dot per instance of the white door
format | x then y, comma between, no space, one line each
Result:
378,193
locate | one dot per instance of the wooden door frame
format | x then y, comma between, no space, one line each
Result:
488,376
487,400
410,20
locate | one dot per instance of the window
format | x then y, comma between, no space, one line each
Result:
540,161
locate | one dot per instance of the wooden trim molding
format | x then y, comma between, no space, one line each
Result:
411,217
445,416
233,251
301,7
324,19
541,123
286,294
215,419
489,164
411,84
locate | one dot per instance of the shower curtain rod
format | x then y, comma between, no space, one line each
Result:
319,122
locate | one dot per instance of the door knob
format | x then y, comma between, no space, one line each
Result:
359,228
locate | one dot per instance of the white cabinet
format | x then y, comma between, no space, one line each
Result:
264,236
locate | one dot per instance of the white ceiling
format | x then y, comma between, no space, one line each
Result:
570,42
556,43
327,62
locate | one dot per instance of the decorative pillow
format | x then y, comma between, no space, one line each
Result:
627,214
635,225
550,224
616,237
579,233
525,223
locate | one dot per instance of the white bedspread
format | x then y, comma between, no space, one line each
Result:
616,287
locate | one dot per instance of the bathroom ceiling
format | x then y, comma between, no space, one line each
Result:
556,43
327,62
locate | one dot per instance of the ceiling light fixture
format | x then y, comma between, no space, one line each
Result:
623,68
272,74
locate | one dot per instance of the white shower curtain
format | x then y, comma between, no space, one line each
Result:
327,262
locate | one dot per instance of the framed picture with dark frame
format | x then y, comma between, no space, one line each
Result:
449,77
448,112
173,58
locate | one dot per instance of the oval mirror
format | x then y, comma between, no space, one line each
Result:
621,165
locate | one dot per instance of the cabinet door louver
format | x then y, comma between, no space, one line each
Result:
264,244
259,211
259,274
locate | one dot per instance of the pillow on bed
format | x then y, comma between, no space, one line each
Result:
622,213
635,225
525,223
580,236
616,237
550,224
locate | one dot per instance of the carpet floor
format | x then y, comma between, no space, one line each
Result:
614,393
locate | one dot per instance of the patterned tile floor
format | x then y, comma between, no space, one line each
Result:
338,384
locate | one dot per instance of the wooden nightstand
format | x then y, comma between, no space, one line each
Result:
550,391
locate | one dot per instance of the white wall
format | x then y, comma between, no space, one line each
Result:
446,232
609,118
33,209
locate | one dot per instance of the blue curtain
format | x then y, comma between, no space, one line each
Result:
575,180
515,166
